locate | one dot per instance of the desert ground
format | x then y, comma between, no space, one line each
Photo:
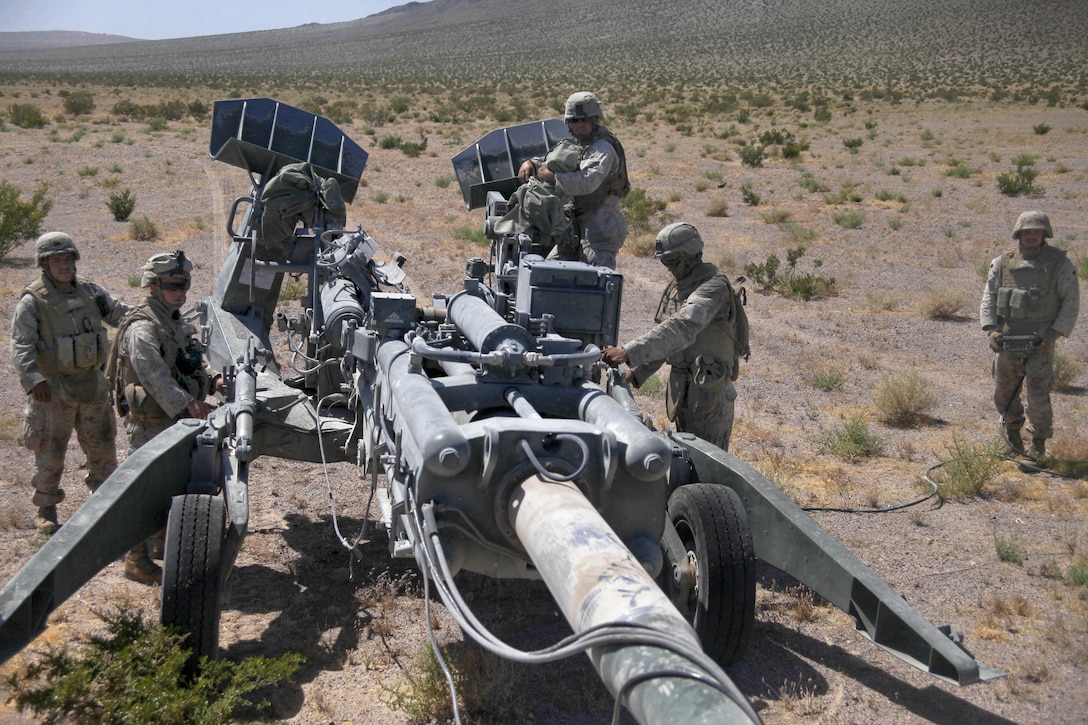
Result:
925,236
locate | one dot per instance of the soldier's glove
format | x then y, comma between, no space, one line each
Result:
995,341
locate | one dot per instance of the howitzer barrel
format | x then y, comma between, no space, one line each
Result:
597,582
485,328
420,413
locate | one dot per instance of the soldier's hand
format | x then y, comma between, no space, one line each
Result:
995,340
41,392
546,175
614,355
198,409
526,171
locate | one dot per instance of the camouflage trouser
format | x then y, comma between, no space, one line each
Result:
599,256
1037,371
716,427
48,428
141,433
601,234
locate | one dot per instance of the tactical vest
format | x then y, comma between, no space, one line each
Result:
615,185
725,338
131,397
1027,291
71,337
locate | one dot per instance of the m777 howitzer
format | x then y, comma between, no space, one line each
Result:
506,447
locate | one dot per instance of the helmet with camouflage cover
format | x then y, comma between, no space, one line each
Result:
165,264
678,237
582,104
1032,220
52,243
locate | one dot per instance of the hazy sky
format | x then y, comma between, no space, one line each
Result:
155,19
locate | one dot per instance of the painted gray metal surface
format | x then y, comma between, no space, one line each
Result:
128,507
785,537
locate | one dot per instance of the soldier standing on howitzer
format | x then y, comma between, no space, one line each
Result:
1030,299
158,372
58,346
701,331
595,187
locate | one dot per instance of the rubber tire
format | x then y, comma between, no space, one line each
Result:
713,525
190,575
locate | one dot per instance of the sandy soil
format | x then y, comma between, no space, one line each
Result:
361,623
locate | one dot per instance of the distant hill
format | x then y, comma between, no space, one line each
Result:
825,45
47,39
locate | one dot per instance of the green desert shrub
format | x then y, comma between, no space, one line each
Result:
1009,548
849,219
642,212
21,220
752,155
79,103
1021,181
828,379
121,205
770,275
966,468
138,673
26,115
904,400
851,440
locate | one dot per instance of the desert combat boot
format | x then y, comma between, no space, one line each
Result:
47,520
140,568
1014,439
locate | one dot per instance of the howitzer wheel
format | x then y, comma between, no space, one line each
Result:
721,562
190,575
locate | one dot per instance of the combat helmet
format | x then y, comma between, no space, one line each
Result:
166,264
678,237
52,243
582,104
1032,220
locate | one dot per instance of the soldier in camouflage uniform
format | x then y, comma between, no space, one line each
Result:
158,372
701,331
58,345
595,188
1031,294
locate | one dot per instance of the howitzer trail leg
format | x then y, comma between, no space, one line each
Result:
786,538
127,508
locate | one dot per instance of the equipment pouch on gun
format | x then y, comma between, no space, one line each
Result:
142,407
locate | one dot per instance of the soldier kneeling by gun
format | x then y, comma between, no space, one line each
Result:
1031,298
159,374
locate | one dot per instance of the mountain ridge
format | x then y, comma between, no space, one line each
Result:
828,43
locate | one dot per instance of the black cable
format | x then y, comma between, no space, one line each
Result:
897,507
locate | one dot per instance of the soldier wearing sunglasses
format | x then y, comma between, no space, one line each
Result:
158,371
